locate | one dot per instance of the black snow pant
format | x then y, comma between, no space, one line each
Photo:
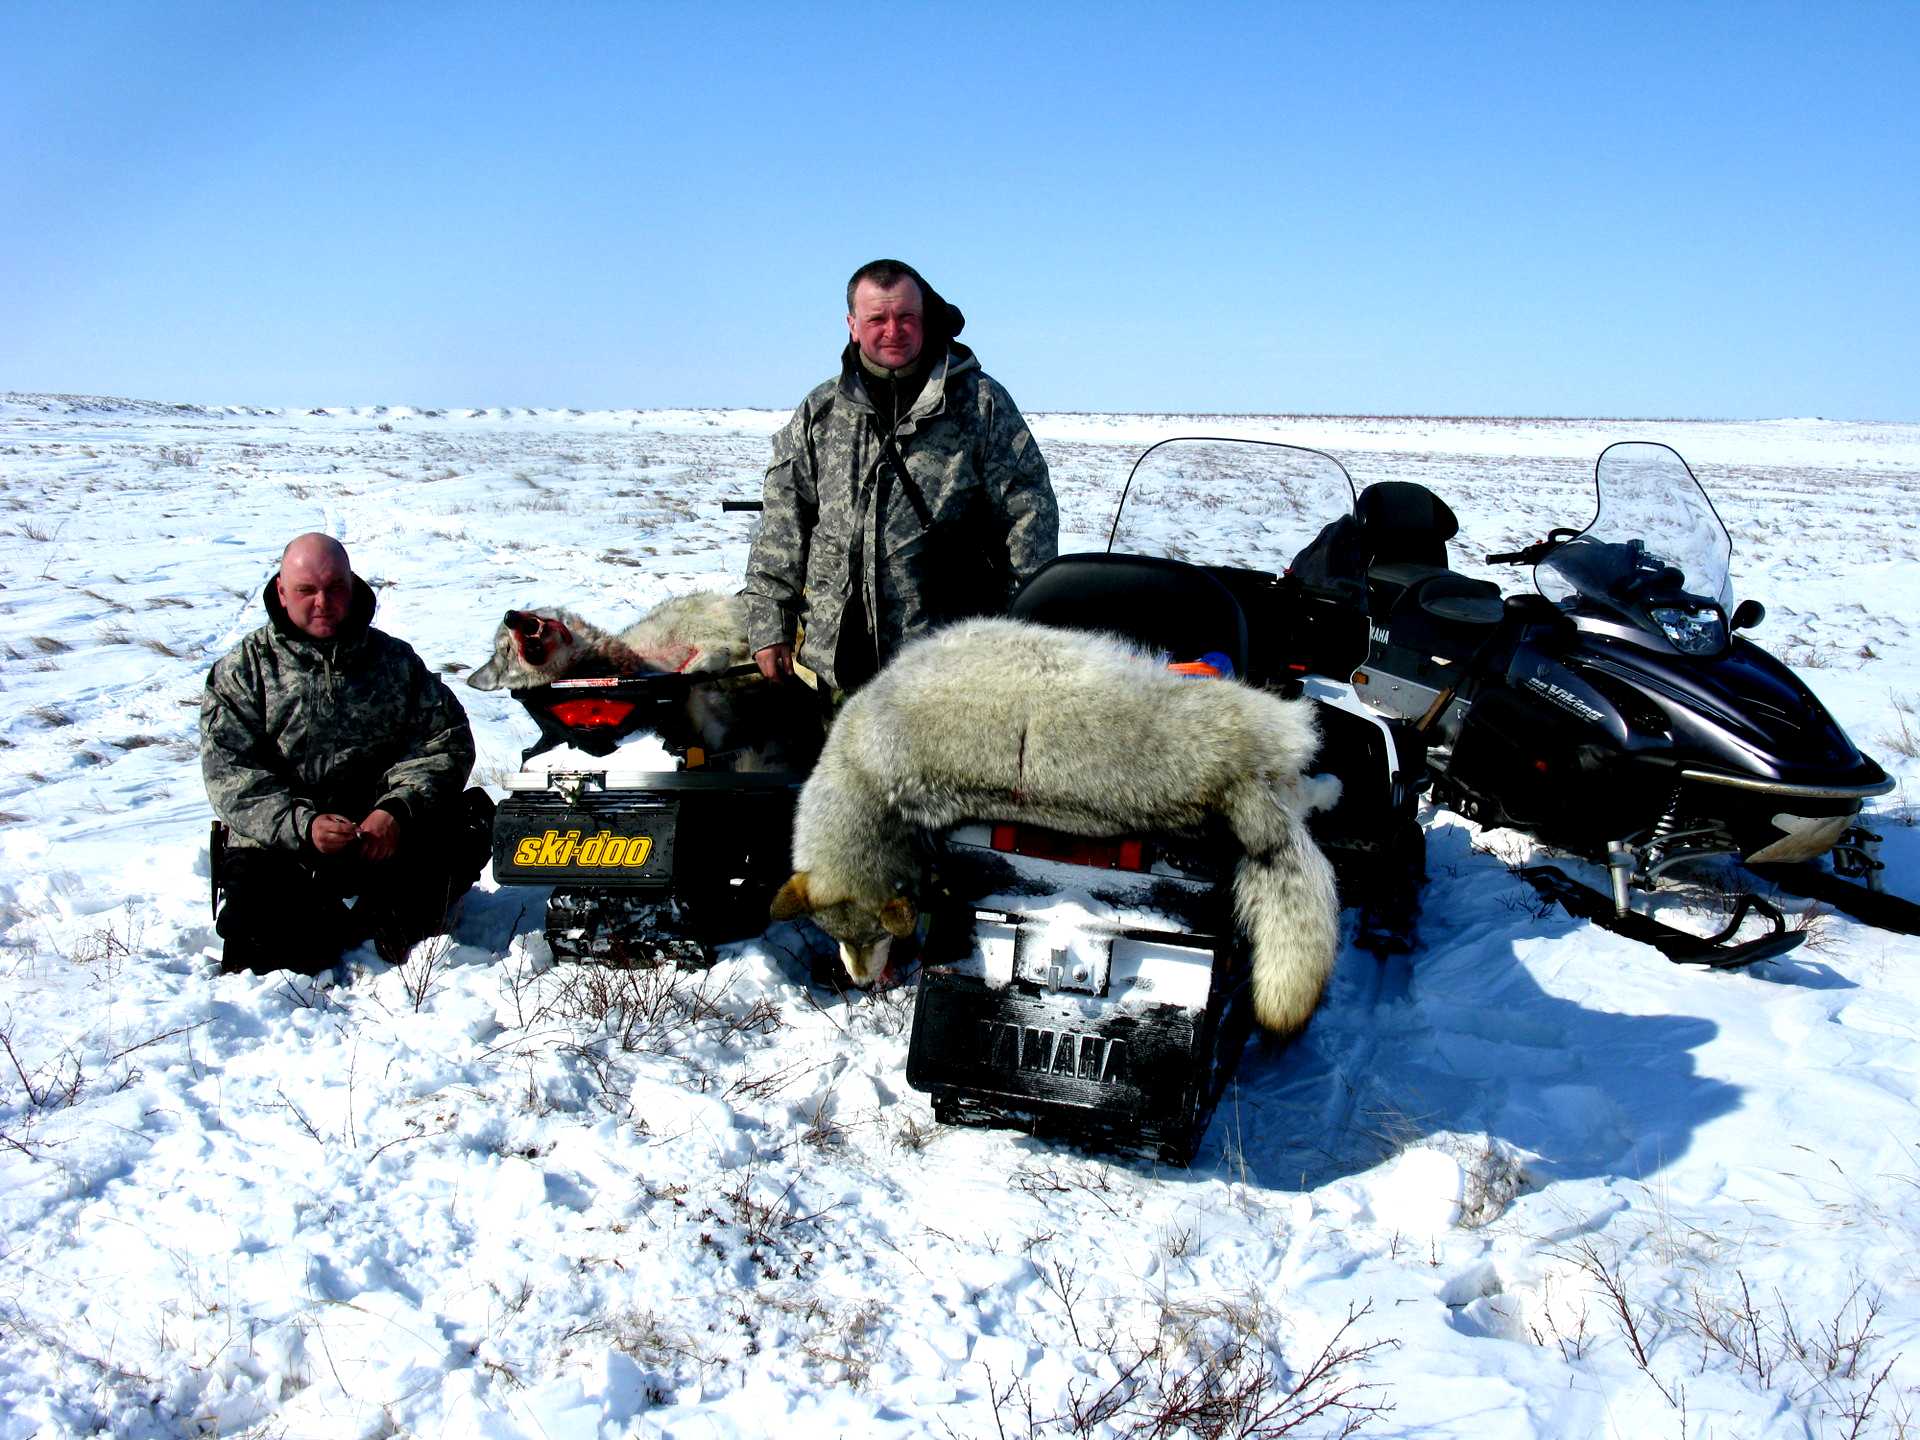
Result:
287,910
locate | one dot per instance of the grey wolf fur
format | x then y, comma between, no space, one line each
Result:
1003,720
689,634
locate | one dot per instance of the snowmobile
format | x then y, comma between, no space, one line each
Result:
1095,987
656,846
651,858
1616,713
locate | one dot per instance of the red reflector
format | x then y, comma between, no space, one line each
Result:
1127,852
591,714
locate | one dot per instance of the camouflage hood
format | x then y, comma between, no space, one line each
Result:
941,516
955,361
292,727
353,632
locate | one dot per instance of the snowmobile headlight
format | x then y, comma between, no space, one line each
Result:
1693,629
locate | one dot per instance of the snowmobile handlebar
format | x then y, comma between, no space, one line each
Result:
726,505
1533,554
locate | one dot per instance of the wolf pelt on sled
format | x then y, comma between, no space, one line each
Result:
689,634
698,634
1004,720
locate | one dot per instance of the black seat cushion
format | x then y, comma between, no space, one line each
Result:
1405,523
1167,606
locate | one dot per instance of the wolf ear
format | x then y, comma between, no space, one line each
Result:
522,622
793,899
897,917
487,677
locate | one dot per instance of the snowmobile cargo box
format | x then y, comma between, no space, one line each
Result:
1090,988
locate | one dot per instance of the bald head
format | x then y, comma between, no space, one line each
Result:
313,548
315,585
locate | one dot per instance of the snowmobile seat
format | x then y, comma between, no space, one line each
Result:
1433,611
1402,523
1404,529
1398,529
1167,606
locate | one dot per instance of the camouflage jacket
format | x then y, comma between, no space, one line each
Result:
292,727
970,520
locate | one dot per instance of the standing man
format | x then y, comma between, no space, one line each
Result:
336,760
904,494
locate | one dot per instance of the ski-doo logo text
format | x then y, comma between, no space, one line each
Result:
604,851
1055,1052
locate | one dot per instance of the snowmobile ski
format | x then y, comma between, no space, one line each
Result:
1870,907
1682,947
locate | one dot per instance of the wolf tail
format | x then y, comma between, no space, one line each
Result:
1284,897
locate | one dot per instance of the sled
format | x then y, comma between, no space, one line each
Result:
645,865
1095,987
1096,992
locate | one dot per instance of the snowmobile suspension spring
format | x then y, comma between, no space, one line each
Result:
1665,827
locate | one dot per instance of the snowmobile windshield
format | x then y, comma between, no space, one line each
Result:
1654,551
1197,498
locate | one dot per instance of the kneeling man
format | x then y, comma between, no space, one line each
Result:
337,761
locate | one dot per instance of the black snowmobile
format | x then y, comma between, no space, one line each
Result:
1616,713
656,846
1095,986
653,859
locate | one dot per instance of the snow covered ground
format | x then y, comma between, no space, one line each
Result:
1534,1182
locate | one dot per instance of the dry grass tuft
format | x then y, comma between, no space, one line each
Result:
1904,738
1213,1370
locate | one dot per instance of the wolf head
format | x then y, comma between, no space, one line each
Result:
531,649
865,928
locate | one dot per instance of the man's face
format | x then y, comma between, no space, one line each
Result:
316,590
886,322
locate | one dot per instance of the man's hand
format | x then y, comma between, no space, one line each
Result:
775,662
332,834
379,835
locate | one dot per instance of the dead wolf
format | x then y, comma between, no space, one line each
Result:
741,722
1004,720
689,634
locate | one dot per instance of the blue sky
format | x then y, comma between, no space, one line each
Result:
1664,210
